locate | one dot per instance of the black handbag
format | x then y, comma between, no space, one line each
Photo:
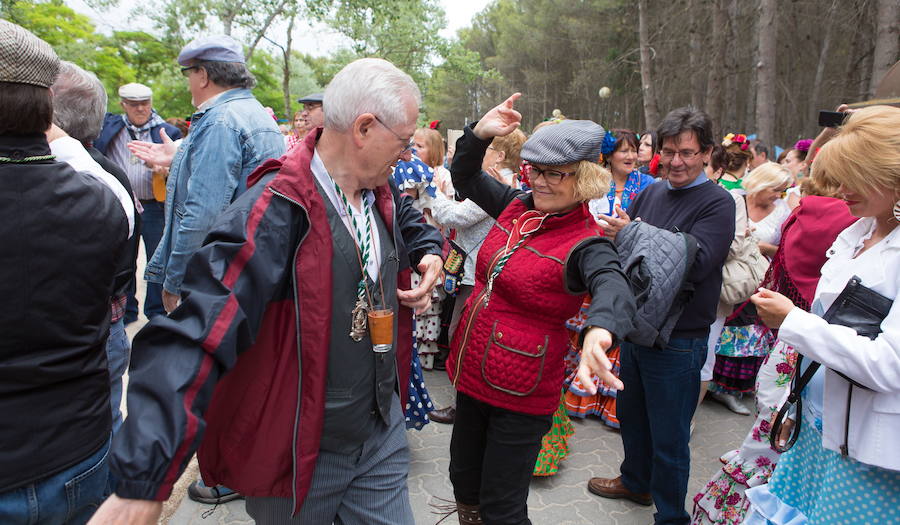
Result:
857,307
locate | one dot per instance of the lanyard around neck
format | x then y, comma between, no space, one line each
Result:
362,233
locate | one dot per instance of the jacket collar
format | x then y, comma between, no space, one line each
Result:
18,147
223,97
295,178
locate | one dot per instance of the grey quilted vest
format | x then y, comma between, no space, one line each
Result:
657,263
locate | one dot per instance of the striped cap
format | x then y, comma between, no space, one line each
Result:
25,58
564,143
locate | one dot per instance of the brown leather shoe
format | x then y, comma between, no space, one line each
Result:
445,415
614,489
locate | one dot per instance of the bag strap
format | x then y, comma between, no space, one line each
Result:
794,399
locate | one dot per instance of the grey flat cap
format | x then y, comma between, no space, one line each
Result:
218,48
25,58
315,98
564,143
135,91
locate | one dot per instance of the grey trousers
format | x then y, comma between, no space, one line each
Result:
367,487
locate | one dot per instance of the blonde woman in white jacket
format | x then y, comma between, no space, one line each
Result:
845,465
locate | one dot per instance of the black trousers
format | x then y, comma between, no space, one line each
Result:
492,457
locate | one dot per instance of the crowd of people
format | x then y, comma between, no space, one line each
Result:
301,281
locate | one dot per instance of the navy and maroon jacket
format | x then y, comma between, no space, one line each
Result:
239,369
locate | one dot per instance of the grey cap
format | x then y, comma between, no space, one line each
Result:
25,58
564,143
218,48
135,91
315,98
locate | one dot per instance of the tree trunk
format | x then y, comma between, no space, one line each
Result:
651,111
286,79
816,90
887,41
765,72
696,8
716,65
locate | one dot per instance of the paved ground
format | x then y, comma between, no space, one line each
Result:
595,450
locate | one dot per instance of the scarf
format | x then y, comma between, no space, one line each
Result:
155,120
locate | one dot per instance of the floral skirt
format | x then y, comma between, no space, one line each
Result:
739,354
555,443
723,501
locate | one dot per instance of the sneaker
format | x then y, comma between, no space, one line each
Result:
199,492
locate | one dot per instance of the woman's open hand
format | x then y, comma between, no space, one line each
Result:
594,361
499,121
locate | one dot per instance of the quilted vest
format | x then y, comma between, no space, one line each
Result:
510,346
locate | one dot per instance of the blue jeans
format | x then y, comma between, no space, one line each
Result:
71,496
655,411
152,221
118,354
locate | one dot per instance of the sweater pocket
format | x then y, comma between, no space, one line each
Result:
514,361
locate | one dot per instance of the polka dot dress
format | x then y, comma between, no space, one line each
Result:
830,489
418,402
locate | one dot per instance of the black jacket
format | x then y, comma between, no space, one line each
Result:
61,233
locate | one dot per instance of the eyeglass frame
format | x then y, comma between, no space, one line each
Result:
535,171
684,154
409,146
184,70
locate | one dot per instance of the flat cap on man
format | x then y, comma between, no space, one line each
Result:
25,58
315,98
564,143
135,91
218,48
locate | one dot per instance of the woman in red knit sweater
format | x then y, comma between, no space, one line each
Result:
507,357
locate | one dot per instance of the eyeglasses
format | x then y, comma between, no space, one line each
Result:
685,154
410,142
185,71
552,177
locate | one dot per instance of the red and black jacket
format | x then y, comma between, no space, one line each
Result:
239,369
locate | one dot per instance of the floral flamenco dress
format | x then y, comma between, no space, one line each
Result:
575,400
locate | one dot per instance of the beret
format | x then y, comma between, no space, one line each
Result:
564,143
25,58
315,98
135,91
218,48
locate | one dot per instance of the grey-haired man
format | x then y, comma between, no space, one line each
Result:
139,122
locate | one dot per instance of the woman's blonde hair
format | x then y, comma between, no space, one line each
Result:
435,142
511,146
591,181
766,176
864,156
819,187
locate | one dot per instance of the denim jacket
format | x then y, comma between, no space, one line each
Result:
226,142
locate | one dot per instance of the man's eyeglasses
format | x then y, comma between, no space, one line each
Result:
185,71
552,177
410,142
685,154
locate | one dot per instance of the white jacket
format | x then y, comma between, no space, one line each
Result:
875,415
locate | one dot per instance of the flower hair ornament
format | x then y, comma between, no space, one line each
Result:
607,146
739,139
803,145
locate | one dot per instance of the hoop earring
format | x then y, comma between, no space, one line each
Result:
897,211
